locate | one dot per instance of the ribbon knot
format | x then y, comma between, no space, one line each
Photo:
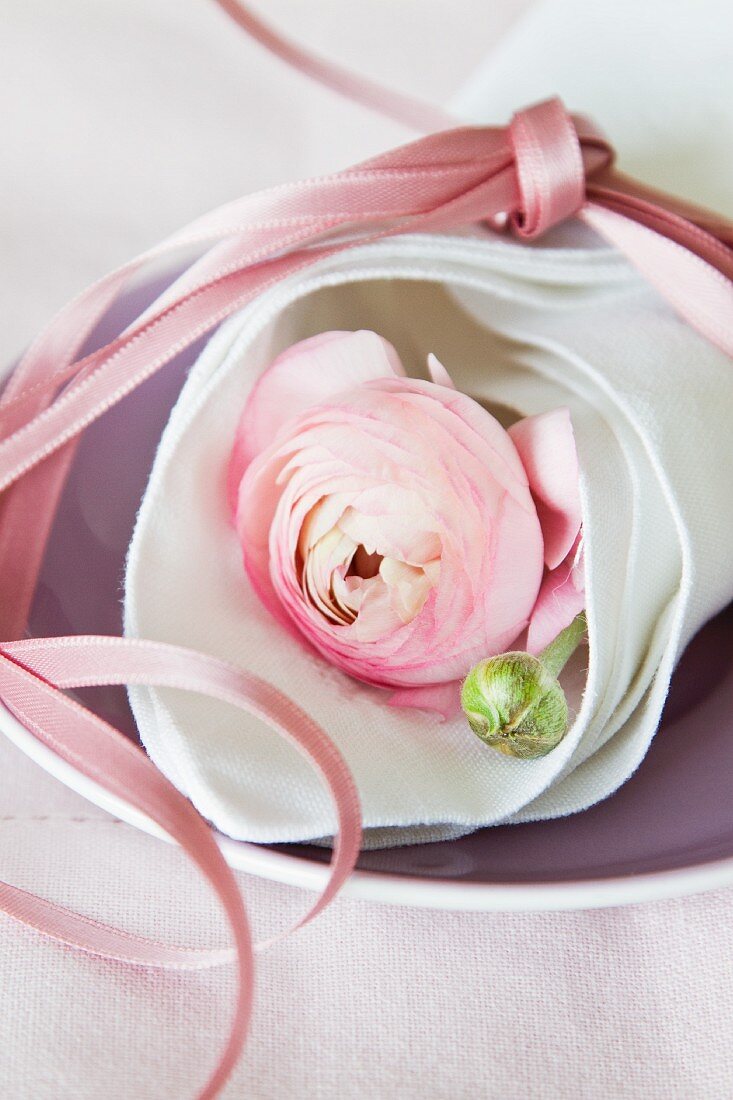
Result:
550,167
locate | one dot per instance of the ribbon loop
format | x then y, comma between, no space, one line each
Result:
549,166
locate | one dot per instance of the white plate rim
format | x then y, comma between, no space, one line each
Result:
391,889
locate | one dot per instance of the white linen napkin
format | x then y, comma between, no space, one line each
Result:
532,328
528,328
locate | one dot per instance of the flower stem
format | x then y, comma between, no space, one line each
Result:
558,652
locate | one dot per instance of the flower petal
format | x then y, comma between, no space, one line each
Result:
561,598
546,446
443,699
307,373
438,374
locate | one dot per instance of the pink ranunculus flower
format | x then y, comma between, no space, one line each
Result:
395,525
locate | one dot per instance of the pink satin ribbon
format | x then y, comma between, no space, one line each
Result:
546,166
33,676
402,108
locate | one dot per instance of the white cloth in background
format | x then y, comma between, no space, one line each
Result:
370,1002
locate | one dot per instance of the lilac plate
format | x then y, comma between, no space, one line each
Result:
667,831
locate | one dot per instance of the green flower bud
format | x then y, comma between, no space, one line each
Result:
514,701
515,705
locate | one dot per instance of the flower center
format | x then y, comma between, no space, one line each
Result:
363,564
356,574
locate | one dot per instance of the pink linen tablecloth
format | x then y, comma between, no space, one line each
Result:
124,119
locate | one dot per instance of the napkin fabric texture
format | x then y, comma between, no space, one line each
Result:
530,329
